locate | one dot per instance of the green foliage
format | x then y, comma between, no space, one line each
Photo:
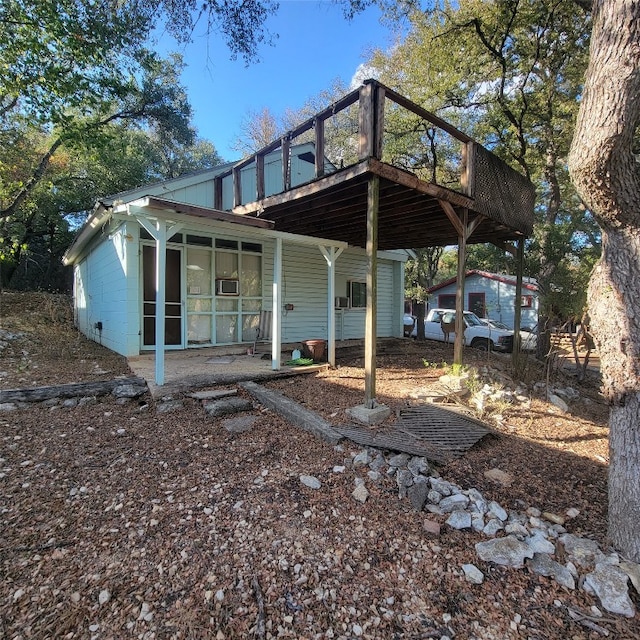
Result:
510,73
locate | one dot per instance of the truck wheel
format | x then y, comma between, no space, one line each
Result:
481,344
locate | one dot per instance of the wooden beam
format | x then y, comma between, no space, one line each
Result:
506,246
373,193
458,346
259,176
454,218
308,189
426,115
389,172
319,135
237,187
203,212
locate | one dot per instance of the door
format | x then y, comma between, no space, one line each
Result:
477,305
173,297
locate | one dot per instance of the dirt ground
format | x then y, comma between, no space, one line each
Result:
121,522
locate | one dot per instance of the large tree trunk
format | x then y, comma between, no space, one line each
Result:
607,176
614,308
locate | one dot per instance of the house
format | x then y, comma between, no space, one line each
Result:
292,230
220,268
490,295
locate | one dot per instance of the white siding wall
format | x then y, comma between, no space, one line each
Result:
106,283
107,290
305,276
499,299
200,194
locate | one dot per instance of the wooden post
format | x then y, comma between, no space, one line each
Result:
373,195
379,96
365,122
217,193
319,131
237,186
517,308
467,178
458,345
286,164
259,176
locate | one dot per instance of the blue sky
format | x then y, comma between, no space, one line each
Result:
316,44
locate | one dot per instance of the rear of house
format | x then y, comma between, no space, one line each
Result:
219,271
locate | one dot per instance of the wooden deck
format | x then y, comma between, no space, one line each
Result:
442,186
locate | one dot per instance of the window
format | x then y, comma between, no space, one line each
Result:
357,292
221,243
447,301
202,241
526,301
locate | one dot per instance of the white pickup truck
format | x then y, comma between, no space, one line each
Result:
476,334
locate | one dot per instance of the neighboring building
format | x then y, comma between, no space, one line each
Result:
490,295
220,268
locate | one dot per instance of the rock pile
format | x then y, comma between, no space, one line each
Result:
534,539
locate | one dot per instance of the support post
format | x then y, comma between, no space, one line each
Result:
160,233
458,344
161,274
517,309
331,255
373,196
276,321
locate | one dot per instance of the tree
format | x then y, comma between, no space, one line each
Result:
510,73
604,167
71,68
257,130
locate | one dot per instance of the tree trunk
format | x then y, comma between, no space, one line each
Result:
614,309
607,176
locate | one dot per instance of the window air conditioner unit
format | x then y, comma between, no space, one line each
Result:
342,303
227,287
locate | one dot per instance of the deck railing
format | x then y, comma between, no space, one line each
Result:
374,121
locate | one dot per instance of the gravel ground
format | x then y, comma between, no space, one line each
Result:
121,522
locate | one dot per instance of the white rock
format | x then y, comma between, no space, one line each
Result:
539,544
609,583
507,551
310,481
459,520
104,596
360,493
557,401
473,574
496,511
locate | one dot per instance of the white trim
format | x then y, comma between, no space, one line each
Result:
276,321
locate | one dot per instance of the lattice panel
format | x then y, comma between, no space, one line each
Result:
501,193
